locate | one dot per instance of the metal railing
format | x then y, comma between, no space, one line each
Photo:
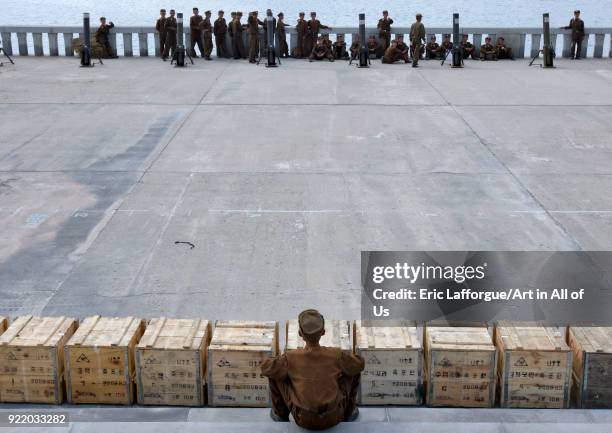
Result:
526,41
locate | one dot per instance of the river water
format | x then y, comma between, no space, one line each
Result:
490,13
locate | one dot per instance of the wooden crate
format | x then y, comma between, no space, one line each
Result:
32,359
235,354
534,366
459,366
171,362
100,360
393,362
592,367
337,334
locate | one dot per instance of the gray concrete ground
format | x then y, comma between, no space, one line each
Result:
280,177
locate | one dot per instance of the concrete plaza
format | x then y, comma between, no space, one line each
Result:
279,178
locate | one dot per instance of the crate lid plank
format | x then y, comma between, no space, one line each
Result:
593,339
370,335
105,331
529,336
243,335
336,335
3,324
175,334
459,338
36,331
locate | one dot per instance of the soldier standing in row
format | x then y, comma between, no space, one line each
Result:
195,35
160,27
576,25
487,50
170,45
235,31
301,28
314,27
283,48
384,30
417,37
253,24
432,49
205,28
220,30
467,48
102,37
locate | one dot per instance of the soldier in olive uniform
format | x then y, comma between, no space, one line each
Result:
403,48
576,25
195,34
467,48
314,27
321,51
281,31
301,27
253,23
339,48
220,30
417,37
102,37
235,31
487,50
445,46
160,27
205,28
355,47
502,50
374,48
170,45
384,30
432,49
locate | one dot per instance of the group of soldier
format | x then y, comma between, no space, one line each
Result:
313,45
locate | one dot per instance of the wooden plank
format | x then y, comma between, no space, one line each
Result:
337,334
393,358
534,366
31,361
235,355
3,324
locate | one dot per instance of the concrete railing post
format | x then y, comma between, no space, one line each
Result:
68,51
157,44
22,41
477,43
112,38
7,43
128,51
599,45
567,45
585,46
536,38
38,44
144,45
610,53
53,48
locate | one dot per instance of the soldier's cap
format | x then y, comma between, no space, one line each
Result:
385,12
311,322
239,13
280,14
172,11
302,14
195,9
419,15
446,35
464,35
577,11
221,12
433,37
313,13
102,18
488,38
207,13
501,38
162,10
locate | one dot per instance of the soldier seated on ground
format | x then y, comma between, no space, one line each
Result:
487,50
321,51
340,52
374,48
467,48
355,47
445,46
432,49
395,54
503,51
317,385
404,48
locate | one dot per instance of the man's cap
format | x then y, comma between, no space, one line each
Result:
302,14
221,12
207,13
577,11
239,13
280,14
172,10
447,35
385,12
102,18
313,13
502,38
433,36
311,322
419,15
195,9
162,10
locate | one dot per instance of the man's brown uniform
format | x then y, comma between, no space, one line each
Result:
417,36
235,31
195,34
161,27
384,32
220,30
253,26
302,33
206,29
170,45
317,385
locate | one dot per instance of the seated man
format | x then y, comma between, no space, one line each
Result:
355,47
394,54
432,49
321,51
340,52
467,48
446,45
317,385
503,51
404,48
488,51
374,48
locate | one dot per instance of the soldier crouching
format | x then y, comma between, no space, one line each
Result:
487,50
321,51
397,51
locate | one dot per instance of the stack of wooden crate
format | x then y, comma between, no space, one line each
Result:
32,359
100,360
393,362
171,360
337,334
534,366
460,366
235,355
592,350
3,324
